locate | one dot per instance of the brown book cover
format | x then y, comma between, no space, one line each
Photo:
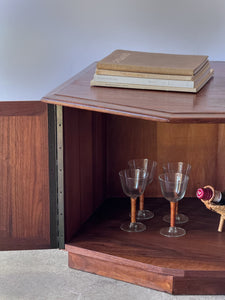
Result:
159,63
202,71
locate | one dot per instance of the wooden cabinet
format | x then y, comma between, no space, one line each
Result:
24,173
105,127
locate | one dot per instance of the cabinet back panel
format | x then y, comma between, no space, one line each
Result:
202,145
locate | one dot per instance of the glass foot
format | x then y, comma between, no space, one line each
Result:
133,227
172,231
180,219
144,215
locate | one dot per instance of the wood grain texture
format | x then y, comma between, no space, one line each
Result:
22,108
72,166
198,285
99,158
121,272
196,144
201,145
220,161
208,105
84,164
128,138
24,188
161,263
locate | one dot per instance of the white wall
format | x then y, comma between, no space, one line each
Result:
45,42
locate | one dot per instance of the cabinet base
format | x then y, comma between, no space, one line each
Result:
189,265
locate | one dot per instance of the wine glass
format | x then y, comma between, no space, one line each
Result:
173,187
149,166
180,167
133,183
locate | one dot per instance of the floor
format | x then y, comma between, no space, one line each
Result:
44,274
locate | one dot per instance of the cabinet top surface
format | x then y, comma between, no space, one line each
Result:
208,105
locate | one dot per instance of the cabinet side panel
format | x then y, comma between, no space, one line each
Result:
220,170
24,184
71,172
84,166
99,158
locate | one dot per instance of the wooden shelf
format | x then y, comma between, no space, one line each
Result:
208,105
193,264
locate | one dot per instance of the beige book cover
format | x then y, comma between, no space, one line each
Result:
151,81
154,87
159,63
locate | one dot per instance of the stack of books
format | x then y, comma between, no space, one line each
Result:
153,71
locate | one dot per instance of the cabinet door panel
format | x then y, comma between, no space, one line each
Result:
24,184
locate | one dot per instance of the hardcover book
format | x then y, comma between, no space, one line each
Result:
135,85
205,68
152,81
158,63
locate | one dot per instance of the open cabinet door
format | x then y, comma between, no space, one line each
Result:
24,176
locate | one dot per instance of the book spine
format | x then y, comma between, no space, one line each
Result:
154,87
142,87
143,75
144,81
145,69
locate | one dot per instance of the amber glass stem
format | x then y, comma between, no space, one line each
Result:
176,209
172,213
141,203
133,210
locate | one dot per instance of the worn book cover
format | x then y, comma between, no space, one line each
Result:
184,88
159,63
205,68
152,81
